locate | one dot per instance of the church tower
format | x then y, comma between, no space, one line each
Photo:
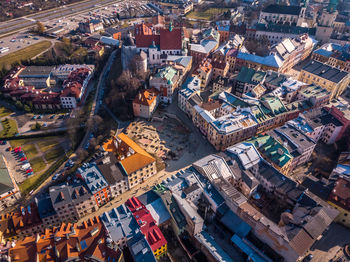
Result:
325,23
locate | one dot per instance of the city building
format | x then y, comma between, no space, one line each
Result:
178,7
209,43
158,43
23,222
140,249
97,184
66,242
90,26
283,14
204,72
148,227
298,144
190,88
46,211
273,152
334,55
113,173
326,76
74,86
9,191
219,68
145,103
36,76
339,198
221,84
136,163
246,80
120,226
325,23
166,80
72,202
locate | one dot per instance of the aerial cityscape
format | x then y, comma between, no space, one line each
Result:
175,130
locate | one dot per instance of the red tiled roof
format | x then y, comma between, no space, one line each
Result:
147,224
73,89
170,40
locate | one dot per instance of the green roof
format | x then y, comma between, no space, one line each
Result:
271,149
274,104
6,183
168,73
250,76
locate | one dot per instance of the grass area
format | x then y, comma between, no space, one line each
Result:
19,142
9,128
30,150
48,143
37,164
4,111
207,14
24,54
54,154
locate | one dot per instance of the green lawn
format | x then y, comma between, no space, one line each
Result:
47,143
9,128
19,142
24,54
4,111
54,154
30,150
37,164
207,14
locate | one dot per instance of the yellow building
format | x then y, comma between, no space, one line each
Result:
325,76
137,164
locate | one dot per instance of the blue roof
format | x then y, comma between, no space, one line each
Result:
224,28
343,169
253,255
83,245
235,224
323,52
270,60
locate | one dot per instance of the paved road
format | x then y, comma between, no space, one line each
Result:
64,11
98,99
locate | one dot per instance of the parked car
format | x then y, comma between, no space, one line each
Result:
56,176
23,158
30,173
34,117
29,170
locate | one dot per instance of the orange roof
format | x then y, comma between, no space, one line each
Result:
109,146
139,159
146,97
24,250
135,161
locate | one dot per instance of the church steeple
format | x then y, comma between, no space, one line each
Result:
332,6
171,26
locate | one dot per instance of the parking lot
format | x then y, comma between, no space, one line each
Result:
14,163
107,14
19,41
